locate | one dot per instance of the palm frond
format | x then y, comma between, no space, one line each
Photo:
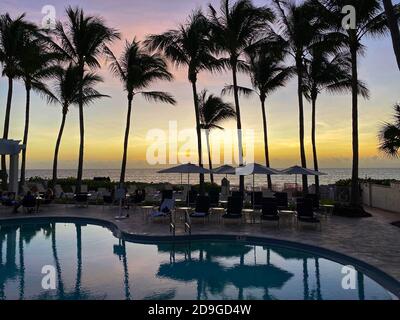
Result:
158,96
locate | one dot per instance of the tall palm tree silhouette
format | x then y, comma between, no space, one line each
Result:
213,110
189,46
393,14
328,71
35,66
234,28
81,41
12,35
299,27
138,69
66,91
268,73
370,21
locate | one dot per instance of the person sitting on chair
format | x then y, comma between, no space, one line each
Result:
27,201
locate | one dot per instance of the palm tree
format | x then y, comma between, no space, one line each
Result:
213,110
268,73
233,31
12,35
189,45
389,135
326,71
67,94
300,29
81,41
393,14
138,69
35,66
370,20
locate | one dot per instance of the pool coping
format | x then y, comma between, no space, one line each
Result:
382,278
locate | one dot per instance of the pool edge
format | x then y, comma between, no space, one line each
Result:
382,278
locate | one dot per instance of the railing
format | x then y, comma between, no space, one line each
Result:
172,225
188,224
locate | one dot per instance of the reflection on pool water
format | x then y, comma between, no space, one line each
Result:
90,263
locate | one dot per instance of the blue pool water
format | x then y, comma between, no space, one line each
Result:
90,263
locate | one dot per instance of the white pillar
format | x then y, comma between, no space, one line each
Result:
13,176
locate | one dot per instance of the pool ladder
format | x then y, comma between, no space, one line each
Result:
188,224
172,225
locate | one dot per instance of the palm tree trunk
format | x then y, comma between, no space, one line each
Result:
81,131
79,261
394,28
25,139
266,148
354,201
209,155
126,141
5,132
299,65
58,143
198,130
314,143
60,287
238,120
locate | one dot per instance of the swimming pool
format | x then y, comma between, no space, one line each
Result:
89,262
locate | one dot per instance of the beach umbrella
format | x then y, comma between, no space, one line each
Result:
297,170
253,169
226,169
186,169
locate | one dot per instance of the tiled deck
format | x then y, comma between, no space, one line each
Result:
373,240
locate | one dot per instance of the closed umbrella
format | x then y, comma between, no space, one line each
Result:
186,169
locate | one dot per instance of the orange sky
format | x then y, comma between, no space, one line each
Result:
105,121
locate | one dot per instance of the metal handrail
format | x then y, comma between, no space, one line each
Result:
172,226
188,224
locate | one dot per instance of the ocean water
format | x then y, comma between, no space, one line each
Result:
151,176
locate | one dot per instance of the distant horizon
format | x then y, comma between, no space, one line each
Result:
105,121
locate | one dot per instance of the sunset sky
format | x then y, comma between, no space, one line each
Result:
105,120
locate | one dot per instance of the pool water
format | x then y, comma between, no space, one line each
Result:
90,263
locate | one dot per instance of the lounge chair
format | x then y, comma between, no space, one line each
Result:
202,210
82,200
29,205
257,200
305,213
164,211
214,198
191,198
282,200
315,200
234,210
270,210
167,194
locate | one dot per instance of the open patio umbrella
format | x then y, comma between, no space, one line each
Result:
186,169
226,169
253,169
297,170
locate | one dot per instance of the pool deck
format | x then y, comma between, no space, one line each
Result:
372,240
